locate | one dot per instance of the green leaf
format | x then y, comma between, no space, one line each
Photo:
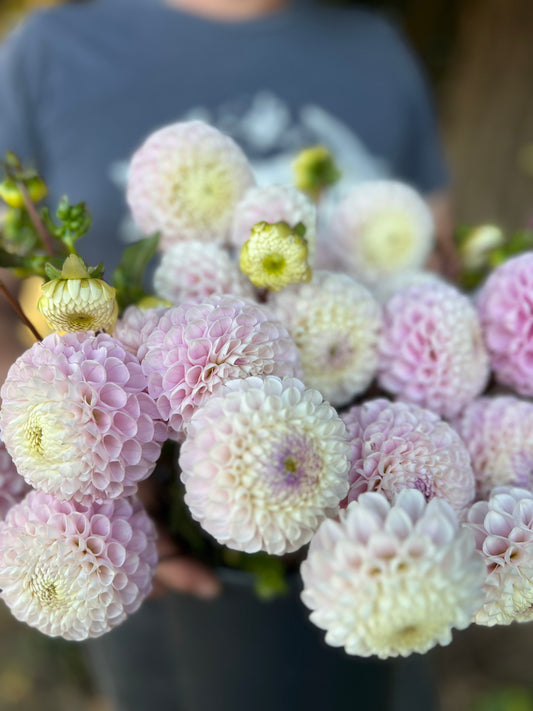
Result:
128,276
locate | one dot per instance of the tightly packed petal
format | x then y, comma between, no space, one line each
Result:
76,418
274,203
398,445
134,327
380,228
193,271
505,305
392,579
336,324
263,463
275,256
432,353
75,571
498,432
503,527
13,487
197,347
185,181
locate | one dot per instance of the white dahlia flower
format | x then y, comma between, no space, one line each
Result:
336,324
193,271
392,579
185,182
380,228
263,463
503,527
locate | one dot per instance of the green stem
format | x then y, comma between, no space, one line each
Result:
36,219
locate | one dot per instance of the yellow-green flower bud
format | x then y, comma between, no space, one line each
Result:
78,302
478,244
153,302
11,193
275,256
314,169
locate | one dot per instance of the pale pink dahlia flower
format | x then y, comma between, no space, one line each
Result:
392,579
431,352
263,463
380,228
76,418
185,181
134,327
75,571
498,432
274,203
336,324
505,306
13,487
396,445
197,347
193,271
503,527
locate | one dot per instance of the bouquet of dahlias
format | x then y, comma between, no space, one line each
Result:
289,385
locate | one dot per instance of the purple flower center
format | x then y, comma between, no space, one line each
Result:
293,467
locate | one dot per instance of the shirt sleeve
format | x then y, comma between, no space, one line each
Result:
20,78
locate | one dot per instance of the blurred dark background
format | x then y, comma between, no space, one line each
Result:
478,55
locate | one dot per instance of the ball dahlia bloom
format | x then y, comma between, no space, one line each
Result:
134,327
396,445
78,302
380,228
13,488
76,418
503,527
505,306
193,271
263,463
195,348
274,203
75,571
336,324
185,182
431,351
391,579
498,432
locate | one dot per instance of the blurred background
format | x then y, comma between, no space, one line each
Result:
479,57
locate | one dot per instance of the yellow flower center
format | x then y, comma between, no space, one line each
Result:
388,239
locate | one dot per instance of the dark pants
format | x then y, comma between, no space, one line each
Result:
239,653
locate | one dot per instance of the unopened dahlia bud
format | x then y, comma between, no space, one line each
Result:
75,571
314,169
275,256
391,579
478,243
76,301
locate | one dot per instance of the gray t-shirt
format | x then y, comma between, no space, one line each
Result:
82,85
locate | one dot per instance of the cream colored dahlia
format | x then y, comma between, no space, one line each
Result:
397,445
392,579
197,347
78,302
185,182
75,571
431,351
336,324
498,432
380,228
193,271
13,488
275,256
271,204
77,420
263,463
503,527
